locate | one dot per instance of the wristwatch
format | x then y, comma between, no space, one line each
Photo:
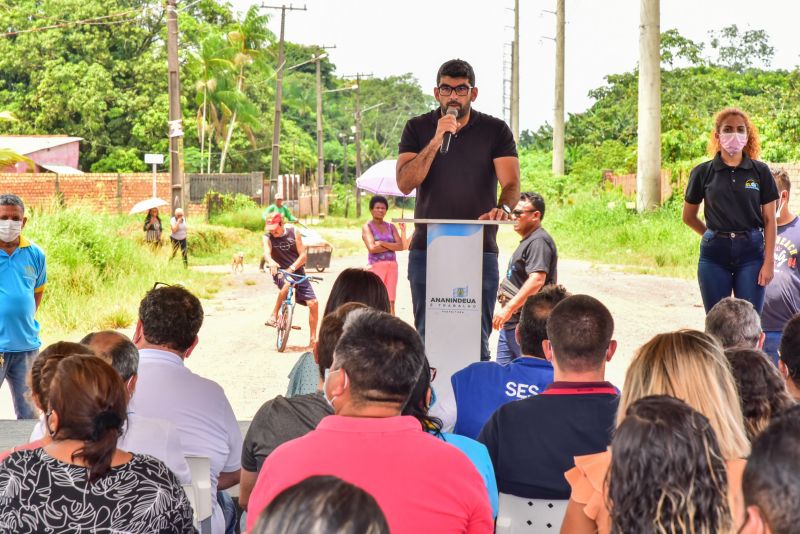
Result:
505,208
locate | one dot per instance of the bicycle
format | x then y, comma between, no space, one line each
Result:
286,311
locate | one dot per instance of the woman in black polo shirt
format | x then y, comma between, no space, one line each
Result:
739,194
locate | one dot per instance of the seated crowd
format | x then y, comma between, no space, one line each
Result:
702,438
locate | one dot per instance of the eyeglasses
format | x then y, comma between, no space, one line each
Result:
160,284
517,213
461,90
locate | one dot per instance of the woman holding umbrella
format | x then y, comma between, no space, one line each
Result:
152,227
383,240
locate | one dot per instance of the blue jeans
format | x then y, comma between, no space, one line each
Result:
772,342
507,346
16,367
228,510
417,270
731,264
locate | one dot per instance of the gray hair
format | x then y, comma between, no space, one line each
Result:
122,354
8,199
735,322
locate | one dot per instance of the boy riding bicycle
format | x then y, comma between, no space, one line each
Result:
284,249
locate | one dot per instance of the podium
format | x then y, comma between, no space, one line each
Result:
453,295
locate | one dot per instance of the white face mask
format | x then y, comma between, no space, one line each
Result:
325,386
10,230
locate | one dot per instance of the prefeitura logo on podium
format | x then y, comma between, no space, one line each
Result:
459,301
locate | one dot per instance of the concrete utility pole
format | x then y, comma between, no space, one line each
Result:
648,171
358,78
175,114
515,75
558,105
276,127
320,156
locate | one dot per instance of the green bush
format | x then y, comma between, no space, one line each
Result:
98,268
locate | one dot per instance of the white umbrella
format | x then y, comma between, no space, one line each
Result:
147,205
381,179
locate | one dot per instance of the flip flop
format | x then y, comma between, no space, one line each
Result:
271,322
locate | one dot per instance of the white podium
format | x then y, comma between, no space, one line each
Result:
453,295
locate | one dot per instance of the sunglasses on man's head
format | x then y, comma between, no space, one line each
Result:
461,90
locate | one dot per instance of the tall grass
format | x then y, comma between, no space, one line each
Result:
98,269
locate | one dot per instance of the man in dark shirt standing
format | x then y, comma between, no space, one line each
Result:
533,442
532,266
782,298
461,184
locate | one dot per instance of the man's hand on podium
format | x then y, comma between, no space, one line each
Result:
496,214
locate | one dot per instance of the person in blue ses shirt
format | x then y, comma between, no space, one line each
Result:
482,387
23,275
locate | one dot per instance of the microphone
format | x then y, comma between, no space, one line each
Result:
448,135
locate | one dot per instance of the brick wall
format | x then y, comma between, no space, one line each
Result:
109,192
627,182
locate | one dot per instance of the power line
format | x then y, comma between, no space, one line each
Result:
94,21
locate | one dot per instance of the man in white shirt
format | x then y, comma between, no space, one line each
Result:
143,435
166,334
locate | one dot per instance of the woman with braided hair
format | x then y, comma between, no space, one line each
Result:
80,482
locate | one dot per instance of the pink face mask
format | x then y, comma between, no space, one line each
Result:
732,142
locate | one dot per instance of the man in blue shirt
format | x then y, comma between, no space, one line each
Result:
482,387
22,279
532,442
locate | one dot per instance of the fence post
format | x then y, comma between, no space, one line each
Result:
119,193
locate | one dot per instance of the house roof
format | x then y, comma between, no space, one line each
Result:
59,169
28,144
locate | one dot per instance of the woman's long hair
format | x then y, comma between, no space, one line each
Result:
690,366
667,474
90,399
42,374
753,146
358,285
417,405
762,391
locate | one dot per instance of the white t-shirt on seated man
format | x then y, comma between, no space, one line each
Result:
167,389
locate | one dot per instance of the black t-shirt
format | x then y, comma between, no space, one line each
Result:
461,184
733,196
533,442
535,253
284,249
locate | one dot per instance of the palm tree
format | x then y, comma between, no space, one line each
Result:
248,40
212,61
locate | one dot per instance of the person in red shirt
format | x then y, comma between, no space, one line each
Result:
421,483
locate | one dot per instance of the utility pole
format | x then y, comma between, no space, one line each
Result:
558,106
358,77
276,127
320,156
515,75
175,114
648,171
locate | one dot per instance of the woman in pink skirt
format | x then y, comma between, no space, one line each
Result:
383,240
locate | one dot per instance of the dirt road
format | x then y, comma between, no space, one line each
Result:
238,351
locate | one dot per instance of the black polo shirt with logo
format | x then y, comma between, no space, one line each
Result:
534,441
461,184
733,196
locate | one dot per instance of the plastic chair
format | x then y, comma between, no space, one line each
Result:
518,515
200,468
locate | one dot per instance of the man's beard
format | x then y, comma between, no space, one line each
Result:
462,110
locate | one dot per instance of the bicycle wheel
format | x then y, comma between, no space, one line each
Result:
284,325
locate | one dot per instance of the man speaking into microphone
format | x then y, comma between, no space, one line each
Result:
455,156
